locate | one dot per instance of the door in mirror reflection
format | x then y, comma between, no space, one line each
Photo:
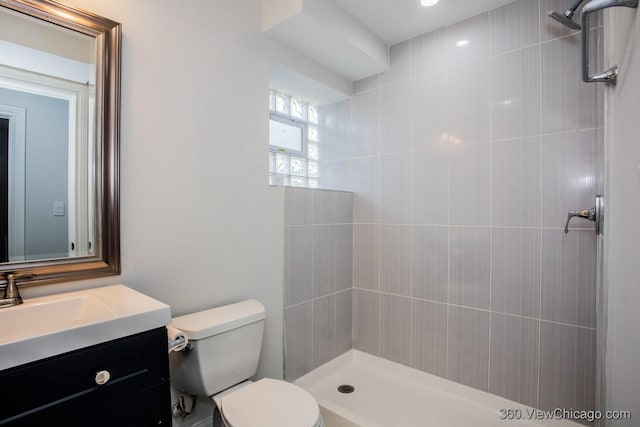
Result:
47,86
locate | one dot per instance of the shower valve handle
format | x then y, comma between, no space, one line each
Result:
589,214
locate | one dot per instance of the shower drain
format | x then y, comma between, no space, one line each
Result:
346,388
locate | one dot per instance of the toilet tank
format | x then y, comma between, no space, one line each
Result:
225,348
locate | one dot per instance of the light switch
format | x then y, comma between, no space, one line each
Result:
58,208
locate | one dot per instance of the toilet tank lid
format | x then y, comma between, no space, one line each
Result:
213,321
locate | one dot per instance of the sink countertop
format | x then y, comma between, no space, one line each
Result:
47,326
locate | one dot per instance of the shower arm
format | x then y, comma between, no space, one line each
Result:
611,75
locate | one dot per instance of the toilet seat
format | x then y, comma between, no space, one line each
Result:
269,403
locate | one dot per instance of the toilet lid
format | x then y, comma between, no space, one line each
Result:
270,403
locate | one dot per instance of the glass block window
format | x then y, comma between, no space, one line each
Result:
293,141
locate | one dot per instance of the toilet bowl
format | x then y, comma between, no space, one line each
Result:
223,353
268,402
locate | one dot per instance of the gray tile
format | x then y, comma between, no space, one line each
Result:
324,206
395,259
324,118
470,103
367,83
395,328
298,341
429,52
335,175
399,62
324,260
297,206
336,123
514,26
567,367
324,330
515,272
344,256
430,186
470,185
429,337
567,102
344,313
594,117
395,188
515,95
344,207
468,347
366,321
569,277
475,30
298,264
429,98
469,266
365,123
366,189
395,117
600,162
516,183
514,358
569,176
366,256
430,249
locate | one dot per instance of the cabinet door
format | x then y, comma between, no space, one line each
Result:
148,407
63,391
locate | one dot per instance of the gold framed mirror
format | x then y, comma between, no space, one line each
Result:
72,233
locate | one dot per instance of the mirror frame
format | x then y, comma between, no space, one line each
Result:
106,258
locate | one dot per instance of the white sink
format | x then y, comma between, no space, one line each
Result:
55,324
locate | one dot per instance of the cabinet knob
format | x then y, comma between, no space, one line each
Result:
102,377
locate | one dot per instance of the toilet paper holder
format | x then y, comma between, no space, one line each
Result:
177,340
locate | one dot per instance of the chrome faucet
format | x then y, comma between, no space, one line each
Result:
11,294
594,214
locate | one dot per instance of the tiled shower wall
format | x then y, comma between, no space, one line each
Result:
464,159
318,277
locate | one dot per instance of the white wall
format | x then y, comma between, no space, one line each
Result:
622,228
200,226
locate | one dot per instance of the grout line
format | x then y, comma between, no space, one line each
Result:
499,227
537,398
477,308
491,148
449,155
321,297
411,202
313,284
421,149
379,228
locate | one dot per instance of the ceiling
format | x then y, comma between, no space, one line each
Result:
397,20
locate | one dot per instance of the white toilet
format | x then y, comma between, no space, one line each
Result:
225,344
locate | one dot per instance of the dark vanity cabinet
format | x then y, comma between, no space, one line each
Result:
124,382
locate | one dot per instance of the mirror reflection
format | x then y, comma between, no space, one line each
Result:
47,105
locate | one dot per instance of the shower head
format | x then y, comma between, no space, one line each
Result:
565,18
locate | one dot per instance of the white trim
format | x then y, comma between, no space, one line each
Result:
16,185
36,61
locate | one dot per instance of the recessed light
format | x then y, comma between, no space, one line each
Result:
428,3
462,43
